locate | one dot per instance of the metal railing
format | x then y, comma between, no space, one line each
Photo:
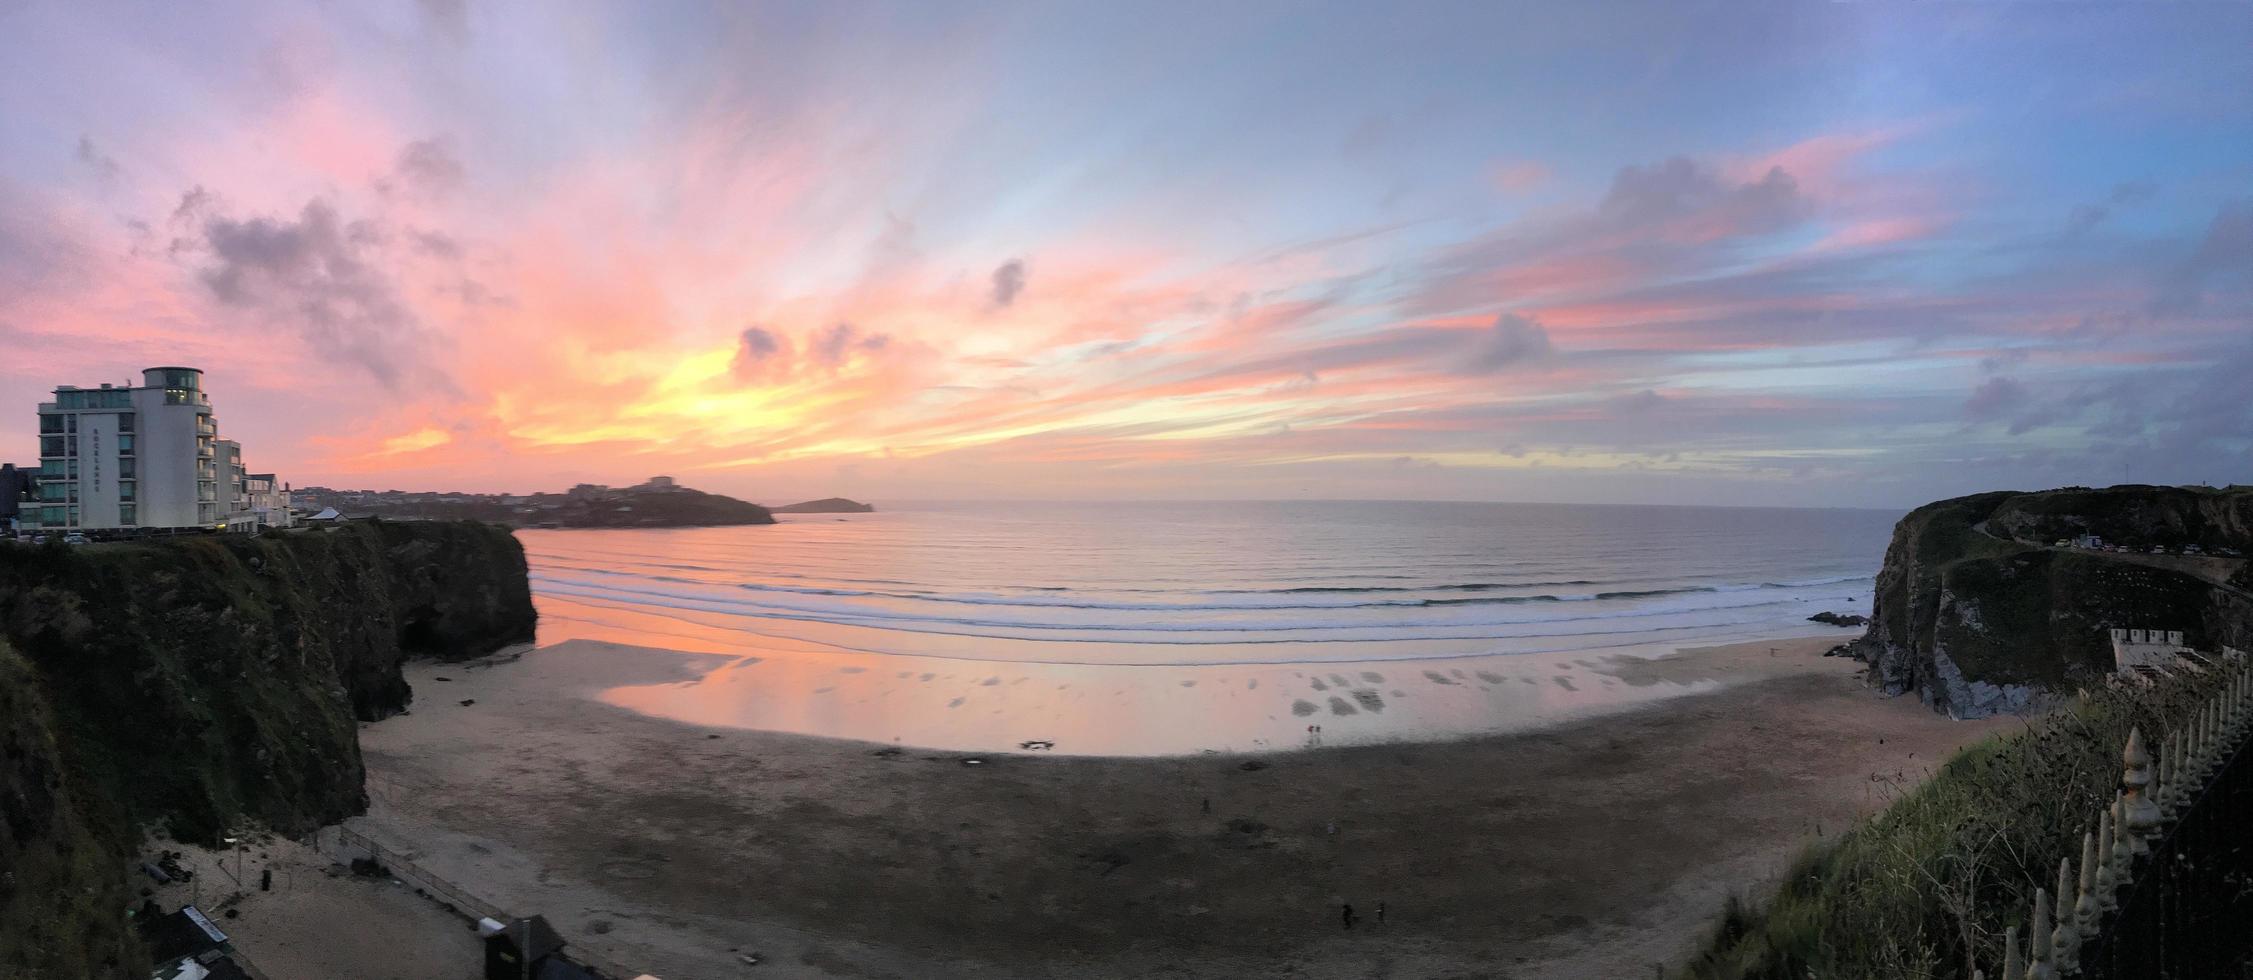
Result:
2165,889
464,902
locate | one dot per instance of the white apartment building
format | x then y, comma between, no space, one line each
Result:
136,456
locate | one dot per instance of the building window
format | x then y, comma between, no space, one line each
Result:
128,514
52,468
51,516
50,423
125,490
70,445
50,445
54,491
125,421
70,423
125,443
125,469
70,516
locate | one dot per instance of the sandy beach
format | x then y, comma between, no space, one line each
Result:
1593,848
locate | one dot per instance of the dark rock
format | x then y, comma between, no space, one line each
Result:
1252,765
1835,619
1977,613
826,505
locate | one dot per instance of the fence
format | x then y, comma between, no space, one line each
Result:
2166,880
461,900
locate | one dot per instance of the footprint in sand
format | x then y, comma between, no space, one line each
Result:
905,674
989,682
1490,677
851,670
956,703
1372,677
1252,685
1437,677
1189,683
1565,682
1369,700
1339,681
1527,680
929,676
1319,686
1399,694
823,690
1338,706
1303,708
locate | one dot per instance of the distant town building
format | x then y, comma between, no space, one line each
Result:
16,487
2139,650
266,500
659,483
138,456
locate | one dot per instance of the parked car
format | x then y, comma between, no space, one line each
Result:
74,538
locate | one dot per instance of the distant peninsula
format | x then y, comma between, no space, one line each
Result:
660,502
826,505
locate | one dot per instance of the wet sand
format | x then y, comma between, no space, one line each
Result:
1595,848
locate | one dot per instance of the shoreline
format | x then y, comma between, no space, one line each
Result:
1594,847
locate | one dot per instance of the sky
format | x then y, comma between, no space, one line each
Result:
1812,254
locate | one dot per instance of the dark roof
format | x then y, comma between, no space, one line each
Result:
182,933
543,941
561,968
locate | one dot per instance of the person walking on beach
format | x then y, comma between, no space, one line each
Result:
1345,914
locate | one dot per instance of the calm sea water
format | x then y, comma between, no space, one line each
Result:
1224,583
966,603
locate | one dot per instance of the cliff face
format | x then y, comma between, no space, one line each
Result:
1978,613
202,681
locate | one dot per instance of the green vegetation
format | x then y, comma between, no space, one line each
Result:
206,683
62,897
1917,890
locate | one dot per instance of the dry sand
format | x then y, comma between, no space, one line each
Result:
1595,849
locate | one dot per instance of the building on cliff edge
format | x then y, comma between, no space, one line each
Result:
144,456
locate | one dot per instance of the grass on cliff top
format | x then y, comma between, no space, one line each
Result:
1919,889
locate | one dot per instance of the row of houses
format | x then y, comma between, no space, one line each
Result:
131,457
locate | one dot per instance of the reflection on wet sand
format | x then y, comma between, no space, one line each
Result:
727,679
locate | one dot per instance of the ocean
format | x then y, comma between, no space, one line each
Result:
1118,596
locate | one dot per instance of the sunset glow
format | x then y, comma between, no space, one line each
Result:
1855,254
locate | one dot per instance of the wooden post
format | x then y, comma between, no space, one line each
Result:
2065,942
2039,964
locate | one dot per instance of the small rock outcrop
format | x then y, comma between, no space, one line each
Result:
1980,610
826,505
1835,619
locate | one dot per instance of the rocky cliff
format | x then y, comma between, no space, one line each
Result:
1979,611
202,683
